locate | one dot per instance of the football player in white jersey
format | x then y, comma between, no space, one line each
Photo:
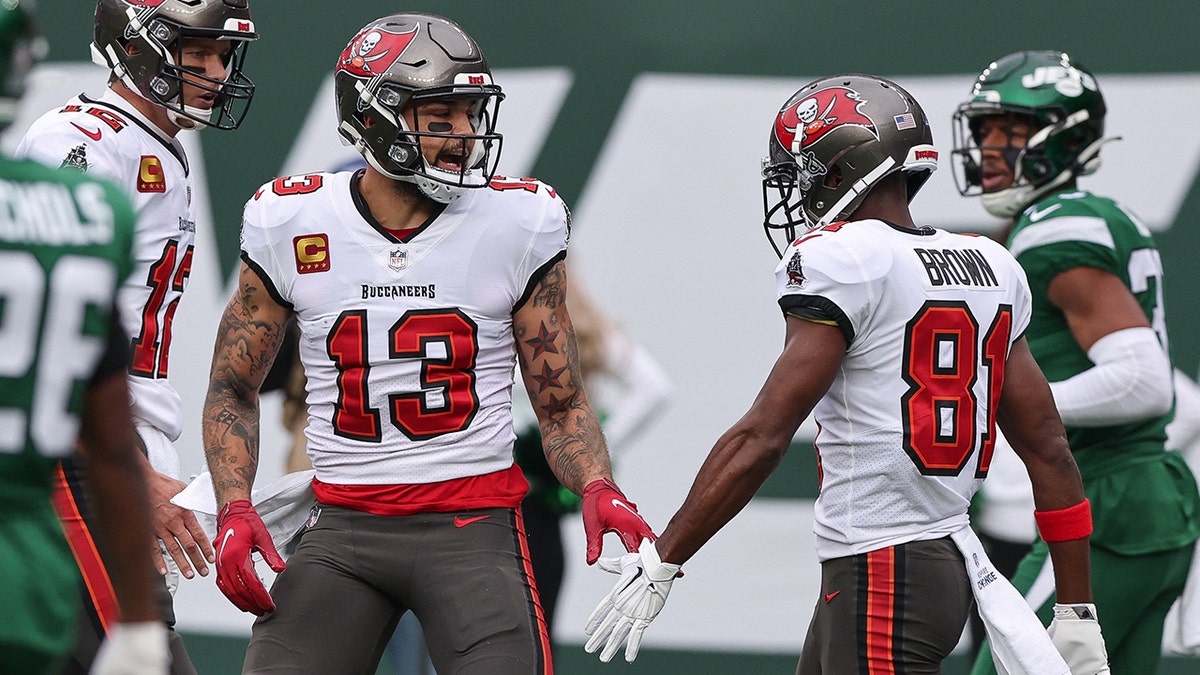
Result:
174,65
418,283
906,343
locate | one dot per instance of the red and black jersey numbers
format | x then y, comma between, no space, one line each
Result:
111,119
152,347
943,361
447,401
503,183
296,185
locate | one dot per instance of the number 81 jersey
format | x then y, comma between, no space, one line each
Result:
407,344
907,427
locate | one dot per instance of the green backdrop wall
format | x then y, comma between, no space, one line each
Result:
605,44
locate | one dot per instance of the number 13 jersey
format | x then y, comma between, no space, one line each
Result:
407,344
908,425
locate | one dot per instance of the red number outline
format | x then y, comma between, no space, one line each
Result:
502,183
408,338
454,375
152,346
936,389
346,346
297,185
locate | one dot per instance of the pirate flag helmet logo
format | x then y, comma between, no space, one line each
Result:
374,50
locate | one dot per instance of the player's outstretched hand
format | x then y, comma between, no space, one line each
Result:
638,596
240,531
134,649
1075,632
177,528
605,509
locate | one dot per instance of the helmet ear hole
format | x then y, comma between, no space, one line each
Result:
1038,170
833,177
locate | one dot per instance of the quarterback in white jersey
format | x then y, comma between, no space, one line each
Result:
109,138
173,65
906,343
419,284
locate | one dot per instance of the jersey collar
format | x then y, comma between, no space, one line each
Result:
365,212
112,100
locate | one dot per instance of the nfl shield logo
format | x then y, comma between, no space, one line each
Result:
398,259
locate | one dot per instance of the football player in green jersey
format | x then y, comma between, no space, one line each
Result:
1033,125
65,247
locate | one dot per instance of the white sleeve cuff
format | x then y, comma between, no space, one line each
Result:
1131,380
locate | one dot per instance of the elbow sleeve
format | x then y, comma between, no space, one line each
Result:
1131,380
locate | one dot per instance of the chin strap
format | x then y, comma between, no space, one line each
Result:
181,120
1010,201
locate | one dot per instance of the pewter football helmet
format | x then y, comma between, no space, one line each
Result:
156,30
864,126
400,61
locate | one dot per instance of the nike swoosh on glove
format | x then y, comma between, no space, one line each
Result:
637,597
134,649
240,531
1075,632
605,509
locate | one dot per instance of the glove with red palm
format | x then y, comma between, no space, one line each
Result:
605,509
240,531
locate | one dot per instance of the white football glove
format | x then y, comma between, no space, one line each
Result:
637,597
1075,632
134,649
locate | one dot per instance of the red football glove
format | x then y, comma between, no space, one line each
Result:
605,510
239,532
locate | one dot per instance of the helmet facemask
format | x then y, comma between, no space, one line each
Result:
392,146
781,196
147,57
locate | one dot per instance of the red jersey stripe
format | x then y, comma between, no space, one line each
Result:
83,547
881,598
547,664
500,489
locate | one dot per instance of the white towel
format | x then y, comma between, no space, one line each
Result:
283,505
1020,644
159,450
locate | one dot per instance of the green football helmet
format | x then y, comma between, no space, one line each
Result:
1061,101
20,48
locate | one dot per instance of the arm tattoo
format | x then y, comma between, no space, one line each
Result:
549,358
543,342
552,288
548,377
248,338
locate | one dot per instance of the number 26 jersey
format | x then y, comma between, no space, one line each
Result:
407,344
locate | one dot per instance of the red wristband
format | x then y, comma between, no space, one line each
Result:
1073,522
